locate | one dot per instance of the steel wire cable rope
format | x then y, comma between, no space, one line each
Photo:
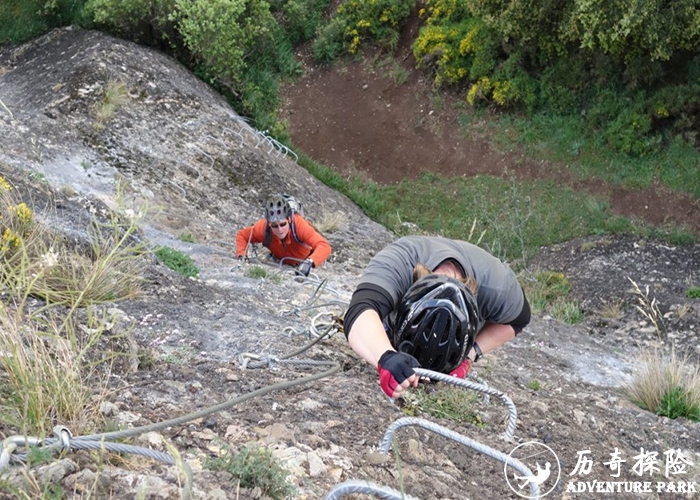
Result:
101,438
454,436
311,302
513,412
64,441
365,488
333,324
80,444
260,361
315,325
334,367
322,285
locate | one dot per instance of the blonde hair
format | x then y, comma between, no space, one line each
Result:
421,270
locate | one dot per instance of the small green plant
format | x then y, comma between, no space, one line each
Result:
36,176
177,261
180,355
255,272
146,359
451,403
676,403
256,468
398,73
534,385
259,272
693,292
567,311
547,288
186,237
667,385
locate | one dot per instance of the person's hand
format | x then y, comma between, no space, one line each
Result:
396,372
304,268
462,370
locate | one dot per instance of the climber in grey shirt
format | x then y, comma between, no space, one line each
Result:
438,302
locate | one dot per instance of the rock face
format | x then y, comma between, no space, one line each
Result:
172,143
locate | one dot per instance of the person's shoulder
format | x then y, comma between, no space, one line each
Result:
259,224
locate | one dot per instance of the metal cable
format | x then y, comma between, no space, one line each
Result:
64,441
454,436
260,361
513,413
366,488
334,368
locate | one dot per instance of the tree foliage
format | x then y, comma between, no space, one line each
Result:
223,33
652,29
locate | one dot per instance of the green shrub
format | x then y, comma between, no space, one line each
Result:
186,237
224,33
358,21
300,18
677,402
256,272
141,20
177,261
21,20
693,292
546,289
534,385
567,311
256,468
329,42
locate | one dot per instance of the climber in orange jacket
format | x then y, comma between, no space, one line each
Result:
288,236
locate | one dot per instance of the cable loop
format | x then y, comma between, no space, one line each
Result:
63,435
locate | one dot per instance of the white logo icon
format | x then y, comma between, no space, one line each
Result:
531,454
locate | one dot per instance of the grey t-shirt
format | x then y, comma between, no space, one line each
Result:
499,295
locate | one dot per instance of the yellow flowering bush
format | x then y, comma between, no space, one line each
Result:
479,90
504,93
359,21
4,185
10,240
439,47
23,213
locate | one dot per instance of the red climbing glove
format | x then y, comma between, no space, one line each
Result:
462,370
395,367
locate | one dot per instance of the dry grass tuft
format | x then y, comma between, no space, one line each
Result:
666,385
611,309
115,94
54,340
330,222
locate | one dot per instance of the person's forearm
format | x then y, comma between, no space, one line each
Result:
493,335
368,338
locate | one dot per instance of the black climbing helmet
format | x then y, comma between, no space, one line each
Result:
436,322
276,209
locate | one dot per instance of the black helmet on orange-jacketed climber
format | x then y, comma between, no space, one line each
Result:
436,322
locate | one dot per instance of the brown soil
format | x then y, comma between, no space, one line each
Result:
356,118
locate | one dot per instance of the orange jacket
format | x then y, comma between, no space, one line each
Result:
313,245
